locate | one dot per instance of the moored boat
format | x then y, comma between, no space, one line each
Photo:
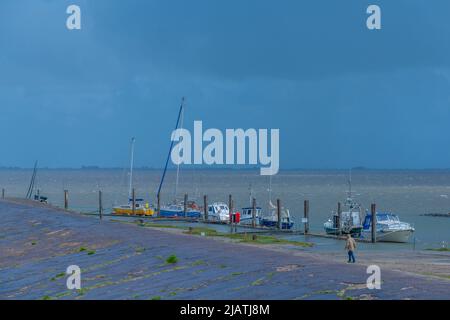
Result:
140,208
246,217
136,206
271,220
350,217
177,211
389,228
219,211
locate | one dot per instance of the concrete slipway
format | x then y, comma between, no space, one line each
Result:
126,261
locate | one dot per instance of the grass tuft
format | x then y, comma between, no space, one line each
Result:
172,259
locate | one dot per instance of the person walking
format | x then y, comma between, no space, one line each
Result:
350,246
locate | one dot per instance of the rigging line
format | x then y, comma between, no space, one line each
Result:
31,186
178,165
170,150
131,168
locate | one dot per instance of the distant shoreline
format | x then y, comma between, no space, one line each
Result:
230,168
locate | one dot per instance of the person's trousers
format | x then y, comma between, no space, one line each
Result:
351,256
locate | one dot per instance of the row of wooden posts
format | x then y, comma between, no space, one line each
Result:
231,206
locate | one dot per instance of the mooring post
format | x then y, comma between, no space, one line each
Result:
185,205
374,222
38,193
133,201
100,205
205,207
306,215
254,213
230,207
3,193
279,224
338,220
158,205
66,199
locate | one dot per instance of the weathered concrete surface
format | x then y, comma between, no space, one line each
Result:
38,243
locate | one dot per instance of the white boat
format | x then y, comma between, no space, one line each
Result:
247,216
389,228
219,211
350,217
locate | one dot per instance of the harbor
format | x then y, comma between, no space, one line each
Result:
134,261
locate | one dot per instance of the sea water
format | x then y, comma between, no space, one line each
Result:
408,193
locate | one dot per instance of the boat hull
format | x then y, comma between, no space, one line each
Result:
356,231
274,224
399,236
179,214
137,211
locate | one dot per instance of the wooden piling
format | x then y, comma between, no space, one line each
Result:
279,224
100,205
185,205
66,199
306,215
158,205
230,207
373,211
133,201
205,207
339,217
254,213
3,193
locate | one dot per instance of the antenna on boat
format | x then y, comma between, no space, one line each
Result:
131,167
170,150
350,183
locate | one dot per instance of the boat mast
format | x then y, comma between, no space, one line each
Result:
170,150
178,165
130,189
32,182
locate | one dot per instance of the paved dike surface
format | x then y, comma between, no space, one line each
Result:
125,261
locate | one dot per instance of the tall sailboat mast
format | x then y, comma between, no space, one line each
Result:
170,150
178,165
130,189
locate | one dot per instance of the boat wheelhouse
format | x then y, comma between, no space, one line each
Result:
247,215
219,211
349,221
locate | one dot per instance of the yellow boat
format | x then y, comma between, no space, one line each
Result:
140,209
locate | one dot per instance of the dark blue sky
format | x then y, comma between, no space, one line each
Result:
340,94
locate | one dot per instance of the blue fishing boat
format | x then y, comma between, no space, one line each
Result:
177,211
270,220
